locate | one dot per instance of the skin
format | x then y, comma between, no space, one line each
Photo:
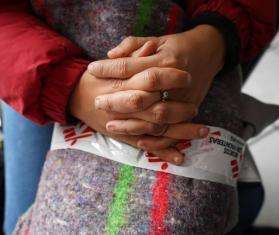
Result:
126,89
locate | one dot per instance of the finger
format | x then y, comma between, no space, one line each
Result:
122,67
134,127
170,155
187,131
157,143
127,101
152,143
157,79
170,112
127,46
147,49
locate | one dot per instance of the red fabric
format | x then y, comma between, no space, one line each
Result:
40,68
254,20
58,86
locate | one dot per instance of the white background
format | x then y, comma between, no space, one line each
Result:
264,85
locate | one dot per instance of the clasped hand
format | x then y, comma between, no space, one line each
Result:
121,96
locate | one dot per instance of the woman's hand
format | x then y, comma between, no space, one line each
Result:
202,47
83,107
199,51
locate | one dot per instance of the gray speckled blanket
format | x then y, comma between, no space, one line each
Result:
81,193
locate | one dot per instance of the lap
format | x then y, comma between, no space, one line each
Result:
25,147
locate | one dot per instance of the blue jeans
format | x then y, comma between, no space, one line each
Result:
251,197
25,147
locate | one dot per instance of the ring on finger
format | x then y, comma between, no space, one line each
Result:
164,96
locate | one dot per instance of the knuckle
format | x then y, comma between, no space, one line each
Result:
108,104
160,114
182,82
179,73
100,69
170,61
121,67
135,102
152,78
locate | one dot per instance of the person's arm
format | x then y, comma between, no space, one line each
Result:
202,51
38,67
247,26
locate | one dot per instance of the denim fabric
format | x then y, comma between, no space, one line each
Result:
251,198
25,147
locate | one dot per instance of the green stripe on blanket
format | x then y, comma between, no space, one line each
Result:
121,192
143,16
126,173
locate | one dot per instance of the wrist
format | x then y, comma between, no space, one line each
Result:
228,30
81,103
75,102
205,47
211,41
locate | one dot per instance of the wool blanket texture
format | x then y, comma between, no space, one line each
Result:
81,193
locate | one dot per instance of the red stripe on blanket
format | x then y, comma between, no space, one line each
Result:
160,200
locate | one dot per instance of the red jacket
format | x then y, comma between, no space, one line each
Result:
39,68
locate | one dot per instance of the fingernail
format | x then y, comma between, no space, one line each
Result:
110,53
99,102
178,160
203,132
113,51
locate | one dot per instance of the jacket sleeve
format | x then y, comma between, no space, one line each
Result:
38,67
250,24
